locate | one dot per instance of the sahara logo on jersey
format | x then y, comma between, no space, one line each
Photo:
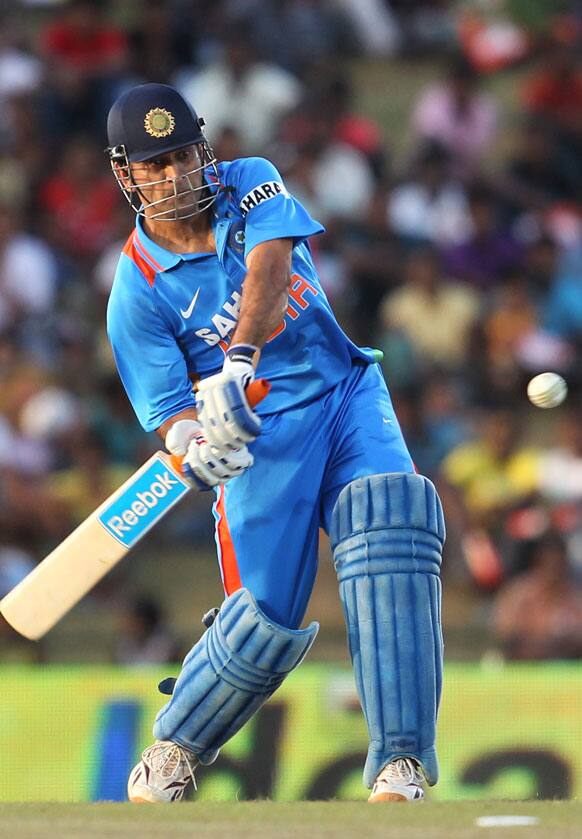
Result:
223,325
260,193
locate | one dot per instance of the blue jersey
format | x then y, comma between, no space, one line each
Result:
171,316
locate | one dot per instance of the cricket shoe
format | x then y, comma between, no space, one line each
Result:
401,780
163,774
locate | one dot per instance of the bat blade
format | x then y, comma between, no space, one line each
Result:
57,584
65,576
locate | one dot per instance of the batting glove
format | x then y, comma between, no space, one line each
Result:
227,418
205,464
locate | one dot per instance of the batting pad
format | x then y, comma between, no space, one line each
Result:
232,670
387,534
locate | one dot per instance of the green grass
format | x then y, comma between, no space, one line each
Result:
313,820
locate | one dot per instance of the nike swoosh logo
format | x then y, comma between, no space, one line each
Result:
187,312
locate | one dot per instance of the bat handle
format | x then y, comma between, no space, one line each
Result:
255,393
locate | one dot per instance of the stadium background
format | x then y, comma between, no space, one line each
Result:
441,144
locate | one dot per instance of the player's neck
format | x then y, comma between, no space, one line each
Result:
192,235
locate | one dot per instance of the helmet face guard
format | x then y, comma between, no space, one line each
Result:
172,207
150,121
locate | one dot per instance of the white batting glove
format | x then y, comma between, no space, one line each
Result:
223,408
205,465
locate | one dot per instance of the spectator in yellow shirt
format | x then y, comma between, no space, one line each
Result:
494,473
481,482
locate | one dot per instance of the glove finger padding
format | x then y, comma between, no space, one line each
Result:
225,413
211,466
242,417
230,462
200,474
214,414
205,464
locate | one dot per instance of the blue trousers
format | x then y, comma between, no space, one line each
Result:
268,519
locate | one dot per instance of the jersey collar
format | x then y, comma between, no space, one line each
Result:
162,259
159,257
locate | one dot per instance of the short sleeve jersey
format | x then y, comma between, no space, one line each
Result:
171,316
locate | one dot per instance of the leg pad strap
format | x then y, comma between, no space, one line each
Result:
229,673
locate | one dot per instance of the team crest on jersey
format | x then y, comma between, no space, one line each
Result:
237,237
159,123
261,193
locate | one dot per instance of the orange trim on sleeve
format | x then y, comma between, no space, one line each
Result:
130,250
230,573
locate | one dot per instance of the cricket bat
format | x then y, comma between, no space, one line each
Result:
65,576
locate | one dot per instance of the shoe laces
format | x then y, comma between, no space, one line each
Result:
168,759
403,769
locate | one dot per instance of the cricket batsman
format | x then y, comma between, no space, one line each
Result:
217,275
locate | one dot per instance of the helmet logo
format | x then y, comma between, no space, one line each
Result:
159,123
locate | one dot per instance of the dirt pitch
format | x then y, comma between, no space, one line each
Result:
268,820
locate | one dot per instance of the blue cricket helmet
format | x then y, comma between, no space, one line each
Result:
149,121
152,119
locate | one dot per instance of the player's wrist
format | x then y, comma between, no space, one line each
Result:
238,363
241,353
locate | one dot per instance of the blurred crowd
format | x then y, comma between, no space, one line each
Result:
453,243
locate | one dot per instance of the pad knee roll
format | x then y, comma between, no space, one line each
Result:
226,677
387,534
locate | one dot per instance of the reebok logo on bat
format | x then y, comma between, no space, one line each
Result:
143,503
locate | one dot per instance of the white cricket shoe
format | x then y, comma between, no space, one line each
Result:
401,780
163,774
